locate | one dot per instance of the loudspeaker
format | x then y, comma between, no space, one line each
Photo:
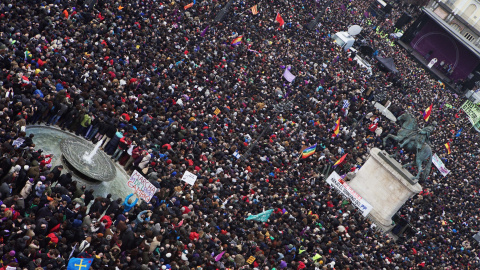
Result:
405,19
413,30
473,79
221,15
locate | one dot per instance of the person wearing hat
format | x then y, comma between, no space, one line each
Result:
9,259
27,189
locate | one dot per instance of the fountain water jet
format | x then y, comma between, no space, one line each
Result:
88,156
92,164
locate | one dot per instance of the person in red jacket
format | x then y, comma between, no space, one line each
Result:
194,236
135,154
107,221
123,145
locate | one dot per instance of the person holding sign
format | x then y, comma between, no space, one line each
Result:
129,203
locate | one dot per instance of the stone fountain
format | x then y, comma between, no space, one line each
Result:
87,161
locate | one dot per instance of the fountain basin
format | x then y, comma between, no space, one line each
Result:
49,138
100,168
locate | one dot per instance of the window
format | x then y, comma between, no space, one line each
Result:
469,11
469,36
456,27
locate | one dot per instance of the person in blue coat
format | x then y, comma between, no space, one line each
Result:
129,203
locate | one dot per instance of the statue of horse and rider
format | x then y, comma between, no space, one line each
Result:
415,141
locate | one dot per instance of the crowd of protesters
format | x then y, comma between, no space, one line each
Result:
146,77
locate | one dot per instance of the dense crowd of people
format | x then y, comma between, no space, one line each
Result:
146,78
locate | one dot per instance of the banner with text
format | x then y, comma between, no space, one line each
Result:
337,182
439,164
144,188
189,178
473,112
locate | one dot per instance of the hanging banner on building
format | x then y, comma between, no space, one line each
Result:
337,182
439,164
142,186
473,112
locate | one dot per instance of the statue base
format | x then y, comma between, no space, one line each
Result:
384,184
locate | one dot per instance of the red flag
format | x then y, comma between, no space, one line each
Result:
342,159
280,20
447,145
426,114
188,6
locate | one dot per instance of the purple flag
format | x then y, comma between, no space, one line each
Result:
288,76
204,31
219,256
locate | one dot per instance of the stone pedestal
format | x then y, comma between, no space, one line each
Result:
384,184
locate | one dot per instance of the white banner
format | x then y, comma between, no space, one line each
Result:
337,182
439,164
189,177
18,142
144,188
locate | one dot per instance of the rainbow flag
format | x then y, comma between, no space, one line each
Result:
309,151
237,41
447,145
336,130
340,160
426,114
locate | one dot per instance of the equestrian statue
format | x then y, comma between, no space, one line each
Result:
415,141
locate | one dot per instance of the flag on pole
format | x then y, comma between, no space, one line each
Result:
219,256
309,151
237,41
204,31
426,114
459,133
288,75
279,19
340,160
79,264
188,6
336,130
263,217
254,10
447,145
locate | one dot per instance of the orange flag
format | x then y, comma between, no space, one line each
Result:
188,6
254,10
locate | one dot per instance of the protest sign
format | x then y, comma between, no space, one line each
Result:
288,76
473,112
18,142
337,182
217,111
439,164
189,178
142,186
